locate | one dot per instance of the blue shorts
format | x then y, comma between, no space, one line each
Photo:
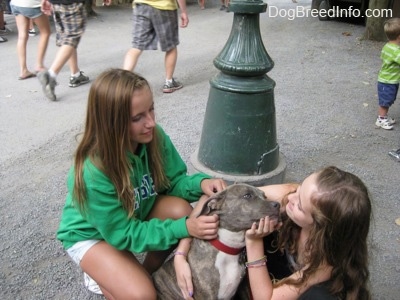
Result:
29,12
387,93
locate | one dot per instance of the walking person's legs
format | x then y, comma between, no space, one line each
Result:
131,59
3,29
171,57
171,84
77,77
43,24
23,26
70,23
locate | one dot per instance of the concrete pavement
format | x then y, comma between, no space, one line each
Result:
325,99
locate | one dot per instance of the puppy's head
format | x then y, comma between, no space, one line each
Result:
239,206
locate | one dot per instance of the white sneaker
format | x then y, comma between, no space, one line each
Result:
385,123
395,154
391,121
91,285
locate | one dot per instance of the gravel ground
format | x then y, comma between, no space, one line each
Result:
326,105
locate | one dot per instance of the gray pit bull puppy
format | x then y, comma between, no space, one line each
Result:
216,267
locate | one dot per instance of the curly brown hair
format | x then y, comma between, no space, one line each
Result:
341,214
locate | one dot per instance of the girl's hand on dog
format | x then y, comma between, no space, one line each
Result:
262,229
212,186
183,276
203,227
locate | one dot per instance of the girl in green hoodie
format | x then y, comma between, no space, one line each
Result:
128,191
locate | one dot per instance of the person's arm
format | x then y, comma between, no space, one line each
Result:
260,281
105,213
212,186
184,17
189,187
46,7
278,192
182,268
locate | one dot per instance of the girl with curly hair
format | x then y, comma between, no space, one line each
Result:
324,239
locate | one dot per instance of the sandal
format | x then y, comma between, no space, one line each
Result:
29,75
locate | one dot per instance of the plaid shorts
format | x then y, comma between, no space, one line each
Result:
70,23
152,26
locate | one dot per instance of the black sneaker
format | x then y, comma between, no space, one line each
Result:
32,32
4,31
170,87
48,84
77,81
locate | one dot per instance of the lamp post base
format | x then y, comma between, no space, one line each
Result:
275,176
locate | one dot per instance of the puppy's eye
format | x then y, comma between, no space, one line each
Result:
247,196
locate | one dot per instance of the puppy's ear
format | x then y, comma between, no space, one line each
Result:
213,204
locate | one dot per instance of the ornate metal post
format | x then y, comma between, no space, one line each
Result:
238,141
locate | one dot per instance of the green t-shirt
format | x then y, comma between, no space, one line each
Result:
106,219
390,70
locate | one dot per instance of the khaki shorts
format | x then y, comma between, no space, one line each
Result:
70,23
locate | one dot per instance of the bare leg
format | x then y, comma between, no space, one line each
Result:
2,19
73,62
164,208
131,59
44,27
31,24
201,3
118,273
23,26
63,55
383,111
171,57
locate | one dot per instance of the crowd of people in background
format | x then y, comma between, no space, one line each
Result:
151,20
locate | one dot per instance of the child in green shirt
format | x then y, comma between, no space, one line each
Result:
389,75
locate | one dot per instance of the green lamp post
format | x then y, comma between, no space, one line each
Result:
238,141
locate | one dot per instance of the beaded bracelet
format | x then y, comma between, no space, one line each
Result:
258,262
257,265
180,253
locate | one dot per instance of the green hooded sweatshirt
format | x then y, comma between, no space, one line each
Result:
106,219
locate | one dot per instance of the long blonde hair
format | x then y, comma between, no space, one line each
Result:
106,139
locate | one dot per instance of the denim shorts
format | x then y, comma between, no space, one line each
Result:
29,12
387,93
77,251
152,26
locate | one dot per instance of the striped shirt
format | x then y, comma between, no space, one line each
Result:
390,70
